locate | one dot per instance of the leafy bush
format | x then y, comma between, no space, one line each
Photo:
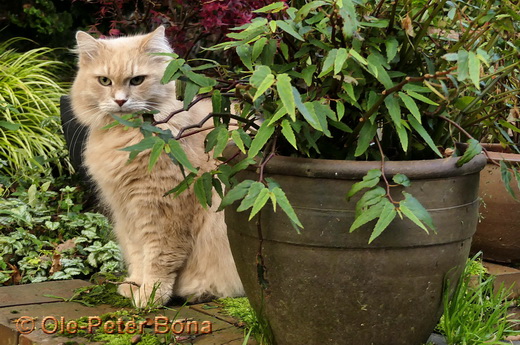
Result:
46,237
30,136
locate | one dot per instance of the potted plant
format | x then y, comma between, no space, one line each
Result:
342,115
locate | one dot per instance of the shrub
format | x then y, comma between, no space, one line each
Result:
29,96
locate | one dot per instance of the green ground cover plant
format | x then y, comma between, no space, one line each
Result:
30,132
46,235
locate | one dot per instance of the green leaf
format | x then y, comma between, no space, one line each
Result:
251,196
289,29
178,153
358,57
307,74
328,64
415,211
474,69
288,133
392,104
309,116
172,68
216,102
506,178
236,193
370,180
278,115
474,148
283,202
340,59
200,192
266,84
145,144
157,149
340,110
403,137
391,44
199,79
190,92
260,73
366,135
235,135
368,215
222,138
422,132
304,11
347,11
262,136
388,214
10,126
462,65
260,202
371,197
421,98
402,179
272,8
244,52
284,87
411,105
258,47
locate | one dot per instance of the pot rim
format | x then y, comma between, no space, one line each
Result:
347,170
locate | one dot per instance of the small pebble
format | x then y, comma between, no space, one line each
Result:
135,339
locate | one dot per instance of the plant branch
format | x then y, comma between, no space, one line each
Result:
387,184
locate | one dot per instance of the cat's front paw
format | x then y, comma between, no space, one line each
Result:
150,296
128,289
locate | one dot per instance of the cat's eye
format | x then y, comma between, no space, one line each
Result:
105,81
137,80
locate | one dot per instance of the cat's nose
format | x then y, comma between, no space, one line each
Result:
120,102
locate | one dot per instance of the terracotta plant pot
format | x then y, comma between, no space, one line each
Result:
329,286
498,232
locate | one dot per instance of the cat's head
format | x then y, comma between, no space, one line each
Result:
120,76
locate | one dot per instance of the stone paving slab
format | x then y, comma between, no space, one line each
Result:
22,306
508,276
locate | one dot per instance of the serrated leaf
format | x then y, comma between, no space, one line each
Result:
309,116
370,214
403,137
172,68
391,44
392,104
190,92
145,144
258,47
388,214
264,85
284,88
262,136
288,133
474,69
415,211
411,106
237,139
244,52
328,63
251,196
289,29
358,57
340,59
278,115
366,135
474,148
222,141
506,175
178,153
340,110
307,8
462,65
216,102
200,192
370,180
307,74
199,79
155,153
371,197
285,205
421,98
258,76
422,132
236,193
402,179
260,202
272,8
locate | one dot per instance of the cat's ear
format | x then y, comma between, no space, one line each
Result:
156,42
87,46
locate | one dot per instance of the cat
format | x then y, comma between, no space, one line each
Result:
171,245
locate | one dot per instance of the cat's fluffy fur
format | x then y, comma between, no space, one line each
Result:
166,240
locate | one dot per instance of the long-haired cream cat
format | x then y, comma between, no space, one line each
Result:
172,243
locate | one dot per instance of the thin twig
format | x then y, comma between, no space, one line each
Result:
383,172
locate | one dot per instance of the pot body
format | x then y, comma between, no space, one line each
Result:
498,232
329,286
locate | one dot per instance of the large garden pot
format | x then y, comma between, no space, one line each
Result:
498,232
329,286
